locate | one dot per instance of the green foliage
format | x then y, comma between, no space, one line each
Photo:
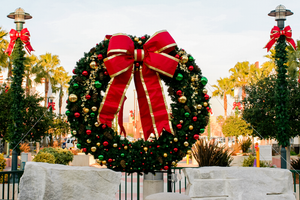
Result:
62,156
2,162
293,153
245,144
235,126
44,157
260,105
295,163
209,154
249,162
293,60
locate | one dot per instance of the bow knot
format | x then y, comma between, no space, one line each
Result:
139,55
23,35
276,33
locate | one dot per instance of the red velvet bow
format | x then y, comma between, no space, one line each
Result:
237,104
23,35
276,33
51,104
120,66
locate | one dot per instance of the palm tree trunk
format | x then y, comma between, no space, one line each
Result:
27,86
243,92
46,90
225,106
60,99
9,74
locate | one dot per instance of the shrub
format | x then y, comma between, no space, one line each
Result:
293,153
44,157
295,163
62,156
25,147
209,154
2,167
245,144
249,162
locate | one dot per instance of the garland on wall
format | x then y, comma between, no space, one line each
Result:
94,88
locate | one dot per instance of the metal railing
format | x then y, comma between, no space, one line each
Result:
296,182
9,184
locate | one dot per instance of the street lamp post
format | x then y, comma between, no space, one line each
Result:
281,122
19,16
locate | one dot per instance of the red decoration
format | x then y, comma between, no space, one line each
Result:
166,167
196,136
77,114
84,149
51,104
105,73
276,33
133,160
195,119
100,57
85,73
191,68
143,37
88,132
157,146
73,71
141,152
175,149
177,56
119,64
23,35
137,64
103,126
206,97
105,143
179,126
109,160
179,92
88,97
237,104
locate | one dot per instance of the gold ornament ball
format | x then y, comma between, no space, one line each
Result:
74,132
173,163
86,110
145,148
186,143
140,42
115,145
136,39
199,106
93,64
189,152
182,99
184,59
94,108
88,141
205,91
181,121
165,155
98,144
97,124
191,127
104,162
205,104
73,98
175,139
126,147
93,149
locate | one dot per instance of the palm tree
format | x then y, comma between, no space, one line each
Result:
5,60
48,64
224,88
242,74
293,60
62,78
30,63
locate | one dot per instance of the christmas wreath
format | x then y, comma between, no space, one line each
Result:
97,93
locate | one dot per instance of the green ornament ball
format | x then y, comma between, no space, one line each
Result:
204,80
186,114
79,146
179,77
191,58
98,84
92,114
76,85
202,130
68,112
100,157
122,154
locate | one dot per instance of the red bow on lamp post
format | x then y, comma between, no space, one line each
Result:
51,104
276,33
237,104
23,35
120,66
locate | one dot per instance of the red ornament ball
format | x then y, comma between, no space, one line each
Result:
84,149
177,56
133,160
157,146
105,143
143,37
175,149
206,97
88,97
100,57
77,114
166,167
151,152
179,126
67,101
85,73
196,136
103,126
88,132
195,118
179,92
105,73
109,160
207,108
191,68
141,152
74,71
143,163
137,64
98,136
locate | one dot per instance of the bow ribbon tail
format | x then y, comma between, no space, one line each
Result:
10,47
114,95
270,44
120,118
291,42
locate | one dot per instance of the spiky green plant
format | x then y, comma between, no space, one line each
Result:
245,144
210,154
295,163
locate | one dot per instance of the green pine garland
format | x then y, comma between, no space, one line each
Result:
17,109
141,156
282,94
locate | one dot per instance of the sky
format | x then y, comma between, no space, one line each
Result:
217,33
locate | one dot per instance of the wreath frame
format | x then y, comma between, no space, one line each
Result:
190,114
